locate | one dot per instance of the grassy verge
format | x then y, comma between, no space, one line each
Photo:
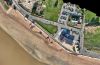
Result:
50,28
92,41
52,12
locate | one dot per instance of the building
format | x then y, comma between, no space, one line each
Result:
28,4
70,13
9,2
66,36
39,9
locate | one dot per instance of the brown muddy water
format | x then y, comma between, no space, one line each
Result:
12,54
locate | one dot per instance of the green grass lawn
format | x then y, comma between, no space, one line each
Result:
52,12
92,40
50,28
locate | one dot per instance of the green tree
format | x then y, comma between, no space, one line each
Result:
9,2
34,7
93,20
97,19
56,3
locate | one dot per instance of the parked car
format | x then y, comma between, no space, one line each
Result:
64,13
63,17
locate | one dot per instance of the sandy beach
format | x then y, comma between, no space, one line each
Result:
36,44
12,54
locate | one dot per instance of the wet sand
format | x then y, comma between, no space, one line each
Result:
12,54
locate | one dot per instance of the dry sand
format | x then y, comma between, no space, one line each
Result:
12,54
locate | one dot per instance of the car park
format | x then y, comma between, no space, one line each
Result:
64,13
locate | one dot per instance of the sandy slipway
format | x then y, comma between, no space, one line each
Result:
36,45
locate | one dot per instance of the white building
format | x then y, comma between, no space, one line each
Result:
28,4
